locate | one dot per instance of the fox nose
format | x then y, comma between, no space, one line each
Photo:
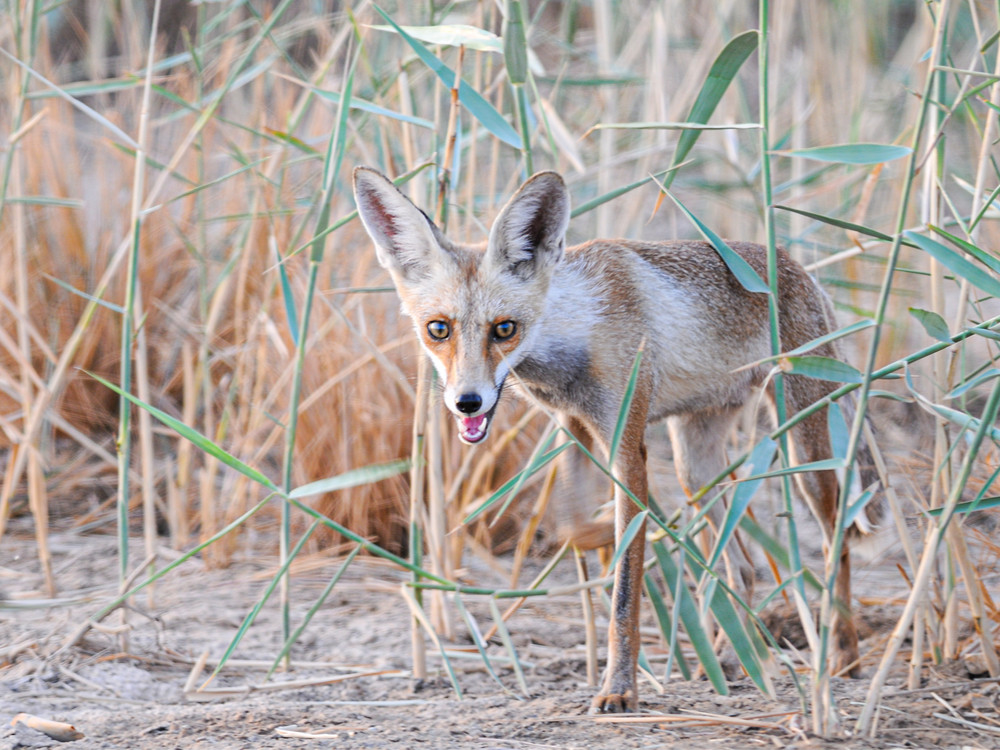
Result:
468,403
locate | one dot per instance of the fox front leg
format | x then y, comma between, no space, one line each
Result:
619,693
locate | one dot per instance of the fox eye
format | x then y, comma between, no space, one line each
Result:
504,329
438,330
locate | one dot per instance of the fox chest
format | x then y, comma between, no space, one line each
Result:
562,379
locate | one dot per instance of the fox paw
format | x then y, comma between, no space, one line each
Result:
847,663
624,702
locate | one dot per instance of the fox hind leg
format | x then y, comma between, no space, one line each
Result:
580,489
698,440
821,490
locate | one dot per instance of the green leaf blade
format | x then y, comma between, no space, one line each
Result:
720,75
688,612
821,368
353,478
452,35
471,99
956,263
857,154
743,271
933,323
841,223
200,441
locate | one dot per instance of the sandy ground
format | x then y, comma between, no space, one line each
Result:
353,686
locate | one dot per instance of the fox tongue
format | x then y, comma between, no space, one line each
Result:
473,428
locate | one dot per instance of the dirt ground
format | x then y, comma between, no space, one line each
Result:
352,681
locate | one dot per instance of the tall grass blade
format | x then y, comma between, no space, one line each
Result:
617,192
633,528
720,75
517,480
352,478
626,408
826,464
760,459
291,314
370,546
118,309
956,263
850,153
228,529
836,425
933,323
200,441
968,385
361,105
451,35
970,506
508,644
91,113
827,338
821,368
668,629
418,612
849,225
776,549
477,640
320,600
987,259
471,99
855,508
743,271
688,613
748,646
250,616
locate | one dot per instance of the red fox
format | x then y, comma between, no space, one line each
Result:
568,323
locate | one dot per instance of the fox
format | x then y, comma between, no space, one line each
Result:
563,325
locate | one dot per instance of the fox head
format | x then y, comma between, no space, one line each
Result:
476,310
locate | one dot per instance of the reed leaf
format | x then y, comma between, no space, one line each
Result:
250,616
193,436
821,368
352,478
471,99
720,75
477,640
451,35
843,224
983,377
968,507
508,644
743,271
633,528
760,458
626,407
668,628
956,263
933,323
984,257
688,613
320,600
850,153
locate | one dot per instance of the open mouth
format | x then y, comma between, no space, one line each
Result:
472,430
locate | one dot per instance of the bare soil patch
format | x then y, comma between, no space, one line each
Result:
136,698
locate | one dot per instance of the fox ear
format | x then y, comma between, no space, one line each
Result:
406,241
530,232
